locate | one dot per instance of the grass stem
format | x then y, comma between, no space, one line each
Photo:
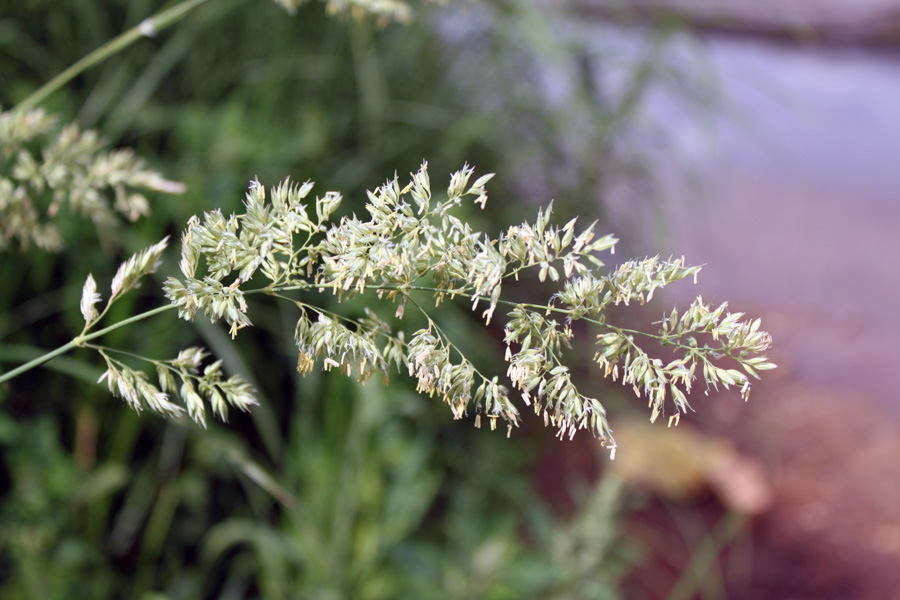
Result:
78,341
146,28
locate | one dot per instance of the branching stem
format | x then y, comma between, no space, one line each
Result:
79,342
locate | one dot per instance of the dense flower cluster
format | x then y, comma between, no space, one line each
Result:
45,169
135,388
411,243
383,10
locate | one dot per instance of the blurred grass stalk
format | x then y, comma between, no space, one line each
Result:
149,27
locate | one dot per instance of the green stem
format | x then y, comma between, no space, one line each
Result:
446,337
704,556
537,307
106,350
79,341
147,28
21,353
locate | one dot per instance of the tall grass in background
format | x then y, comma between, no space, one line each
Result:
329,489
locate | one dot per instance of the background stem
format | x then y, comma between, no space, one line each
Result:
146,28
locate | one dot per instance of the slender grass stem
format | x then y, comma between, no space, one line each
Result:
146,28
79,341
704,556
464,294
76,368
446,337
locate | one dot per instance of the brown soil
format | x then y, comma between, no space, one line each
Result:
833,528
825,426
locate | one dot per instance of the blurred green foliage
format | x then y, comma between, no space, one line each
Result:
331,489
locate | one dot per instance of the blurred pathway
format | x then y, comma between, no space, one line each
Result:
800,223
800,207
873,22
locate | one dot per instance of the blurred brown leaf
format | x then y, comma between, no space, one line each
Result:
679,463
